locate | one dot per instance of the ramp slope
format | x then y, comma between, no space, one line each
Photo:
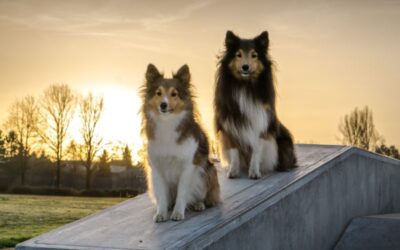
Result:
308,208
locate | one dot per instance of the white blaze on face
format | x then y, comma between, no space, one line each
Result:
165,99
164,112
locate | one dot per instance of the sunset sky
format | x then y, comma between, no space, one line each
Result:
331,56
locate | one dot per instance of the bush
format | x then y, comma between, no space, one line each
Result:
71,192
43,191
12,241
3,188
109,193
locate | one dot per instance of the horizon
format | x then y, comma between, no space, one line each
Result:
330,57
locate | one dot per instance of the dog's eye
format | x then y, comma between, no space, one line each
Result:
158,93
173,94
239,55
254,55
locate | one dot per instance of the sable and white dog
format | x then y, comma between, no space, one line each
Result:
252,137
179,172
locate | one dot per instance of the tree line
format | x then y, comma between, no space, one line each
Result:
358,129
42,125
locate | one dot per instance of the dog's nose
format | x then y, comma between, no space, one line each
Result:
245,67
163,105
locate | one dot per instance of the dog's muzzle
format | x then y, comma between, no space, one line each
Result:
164,107
245,70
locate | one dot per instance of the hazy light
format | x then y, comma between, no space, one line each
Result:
120,122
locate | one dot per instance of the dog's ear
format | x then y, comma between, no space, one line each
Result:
183,74
152,74
231,39
262,40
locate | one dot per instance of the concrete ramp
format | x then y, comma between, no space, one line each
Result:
308,208
372,232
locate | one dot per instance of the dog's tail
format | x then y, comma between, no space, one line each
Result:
213,193
286,154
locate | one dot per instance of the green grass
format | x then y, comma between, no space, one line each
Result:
25,216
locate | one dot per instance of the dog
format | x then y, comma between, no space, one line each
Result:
252,137
179,173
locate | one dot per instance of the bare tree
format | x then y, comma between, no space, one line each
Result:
91,108
23,119
58,106
358,129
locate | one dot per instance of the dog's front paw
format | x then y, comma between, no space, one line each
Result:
233,173
160,218
253,174
177,216
199,206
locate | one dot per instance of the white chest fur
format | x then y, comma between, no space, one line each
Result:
255,114
166,156
254,111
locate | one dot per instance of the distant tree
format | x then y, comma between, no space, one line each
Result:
73,152
12,145
2,146
91,109
117,150
42,166
58,106
358,129
127,157
104,158
23,118
390,151
43,154
104,163
141,154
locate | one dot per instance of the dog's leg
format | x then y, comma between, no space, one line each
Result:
254,169
160,190
234,163
199,206
184,190
269,155
287,155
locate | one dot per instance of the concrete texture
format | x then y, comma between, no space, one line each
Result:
372,232
307,208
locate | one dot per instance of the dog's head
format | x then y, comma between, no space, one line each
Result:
246,57
165,96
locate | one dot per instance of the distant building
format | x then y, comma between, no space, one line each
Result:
74,166
126,177
115,169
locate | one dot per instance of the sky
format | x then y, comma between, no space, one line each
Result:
330,56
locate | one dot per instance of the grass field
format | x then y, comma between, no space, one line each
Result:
25,216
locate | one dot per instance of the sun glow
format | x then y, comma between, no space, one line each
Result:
120,122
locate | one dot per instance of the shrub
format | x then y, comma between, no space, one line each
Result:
71,192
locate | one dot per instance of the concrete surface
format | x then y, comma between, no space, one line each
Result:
372,232
307,208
